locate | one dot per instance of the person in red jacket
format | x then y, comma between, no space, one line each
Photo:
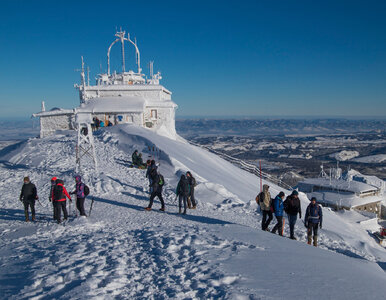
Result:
59,195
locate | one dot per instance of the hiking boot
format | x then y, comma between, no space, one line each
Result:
33,218
26,219
293,238
148,208
194,207
162,209
309,238
315,240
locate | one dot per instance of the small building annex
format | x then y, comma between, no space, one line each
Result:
117,98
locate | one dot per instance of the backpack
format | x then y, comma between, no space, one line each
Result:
261,198
153,173
161,180
57,192
86,190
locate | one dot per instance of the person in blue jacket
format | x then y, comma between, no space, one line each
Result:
313,219
278,208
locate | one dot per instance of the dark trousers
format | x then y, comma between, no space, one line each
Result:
312,227
27,204
59,206
80,206
182,198
265,222
292,221
279,225
159,195
193,199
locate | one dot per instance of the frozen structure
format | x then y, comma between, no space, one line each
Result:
117,98
347,190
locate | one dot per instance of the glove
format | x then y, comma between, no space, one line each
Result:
320,225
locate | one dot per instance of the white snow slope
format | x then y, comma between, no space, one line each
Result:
124,252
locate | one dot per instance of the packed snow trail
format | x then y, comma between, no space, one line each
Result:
124,252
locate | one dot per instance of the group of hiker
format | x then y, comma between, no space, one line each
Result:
291,206
184,191
58,196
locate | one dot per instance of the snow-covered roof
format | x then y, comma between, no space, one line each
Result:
113,104
340,184
345,200
54,112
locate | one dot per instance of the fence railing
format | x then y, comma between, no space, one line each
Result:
247,167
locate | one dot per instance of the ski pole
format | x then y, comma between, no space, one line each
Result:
92,202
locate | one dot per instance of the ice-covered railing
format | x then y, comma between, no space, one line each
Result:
247,167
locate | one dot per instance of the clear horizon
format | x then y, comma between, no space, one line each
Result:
257,59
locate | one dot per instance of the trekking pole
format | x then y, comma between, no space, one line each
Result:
41,203
92,202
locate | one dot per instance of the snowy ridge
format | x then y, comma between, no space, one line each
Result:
122,251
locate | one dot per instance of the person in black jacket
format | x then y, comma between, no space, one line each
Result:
28,196
292,208
149,170
313,219
192,184
182,192
156,187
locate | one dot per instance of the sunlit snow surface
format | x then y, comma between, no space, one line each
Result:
124,252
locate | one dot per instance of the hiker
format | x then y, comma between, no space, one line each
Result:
265,202
192,183
292,208
81,191
59,195
313,219
28,196
182,192
53,183
157,184
149,170
278,209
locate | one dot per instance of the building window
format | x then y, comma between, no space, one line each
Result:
153,114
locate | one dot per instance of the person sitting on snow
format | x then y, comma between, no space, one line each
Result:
137,160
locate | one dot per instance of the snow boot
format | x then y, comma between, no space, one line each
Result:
315,240
309,238
148,208
162,209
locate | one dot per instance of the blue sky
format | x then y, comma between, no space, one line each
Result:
219,58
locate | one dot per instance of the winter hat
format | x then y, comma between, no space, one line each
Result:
295,193
53,178
78,178
189,174
281,194
313,199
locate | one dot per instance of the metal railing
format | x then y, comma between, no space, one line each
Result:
247,167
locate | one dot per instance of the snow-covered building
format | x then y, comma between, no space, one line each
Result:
346,191
116,98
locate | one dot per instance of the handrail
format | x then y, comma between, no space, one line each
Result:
247,167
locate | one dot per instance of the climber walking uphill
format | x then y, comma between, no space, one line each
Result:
28,196
292,208
265,201
192,183
313,219
148,172
278,209
137,160
53,183
182,192
81,192
157,182
59,195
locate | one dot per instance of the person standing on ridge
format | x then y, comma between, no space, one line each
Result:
59,195
192,184
278,208
292,208
265,201
81,191
53,183
157,184
182,192
313,219
28,196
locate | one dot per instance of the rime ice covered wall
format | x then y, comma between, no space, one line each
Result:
49,124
